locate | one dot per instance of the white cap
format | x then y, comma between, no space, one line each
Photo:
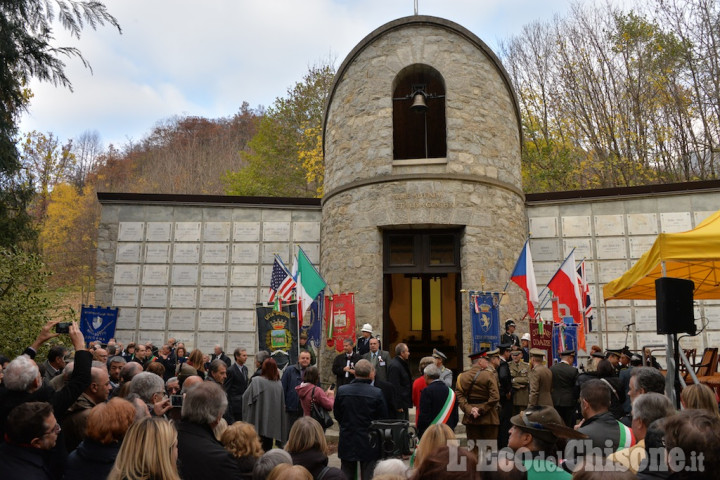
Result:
367,328
526,336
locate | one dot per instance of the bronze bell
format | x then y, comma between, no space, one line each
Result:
419,105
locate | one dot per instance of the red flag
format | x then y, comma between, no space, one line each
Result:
564,285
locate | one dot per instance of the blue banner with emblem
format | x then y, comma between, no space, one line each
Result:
98,323
565,337
312,323
485,319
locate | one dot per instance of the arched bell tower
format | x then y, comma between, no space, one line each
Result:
423,194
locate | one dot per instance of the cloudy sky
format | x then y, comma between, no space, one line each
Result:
204,58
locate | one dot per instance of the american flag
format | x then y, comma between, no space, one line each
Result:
585,295
281,283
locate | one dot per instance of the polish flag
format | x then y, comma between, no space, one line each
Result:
524,276
564,285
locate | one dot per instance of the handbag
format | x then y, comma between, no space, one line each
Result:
318,413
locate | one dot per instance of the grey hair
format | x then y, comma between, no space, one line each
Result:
432,371
400,348
261,356
99,364
68,370
204,403
648,379
363,369
649,407
268,461
391,466
117,359
171,380
216,364
20,374
146,384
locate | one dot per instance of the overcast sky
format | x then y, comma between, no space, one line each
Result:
204,58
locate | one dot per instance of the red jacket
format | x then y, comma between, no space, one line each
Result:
304,391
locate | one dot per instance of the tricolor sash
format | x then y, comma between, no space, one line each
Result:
441,417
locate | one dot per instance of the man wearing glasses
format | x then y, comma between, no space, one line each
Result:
30,431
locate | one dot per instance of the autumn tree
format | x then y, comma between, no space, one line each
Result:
283,158
87,149
27,37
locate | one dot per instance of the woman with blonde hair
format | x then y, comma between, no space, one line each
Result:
308,447
149,451
242,441
700,397
196,361
436,436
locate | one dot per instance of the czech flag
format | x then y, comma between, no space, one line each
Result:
524,276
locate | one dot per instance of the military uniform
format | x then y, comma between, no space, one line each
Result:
540,386
483,393
520,372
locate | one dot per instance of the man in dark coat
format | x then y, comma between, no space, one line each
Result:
564,376
200,455
291,378
499,358
237,382
436,400
219,354
356,405
363,342
509,337
399,376
344,364
54,364
31,431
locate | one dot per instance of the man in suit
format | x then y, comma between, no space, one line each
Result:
509,336
219,354
437,399
237,382
363,342
478,396
540,380
564,376
399,376
344,364
499,358
54,364
379,359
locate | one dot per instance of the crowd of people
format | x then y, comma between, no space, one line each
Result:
145,412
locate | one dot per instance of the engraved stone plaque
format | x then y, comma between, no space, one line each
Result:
609,225
241,320
246,231
157,253
611,248
640,245
699,216
213,297
545,249
127,275
183,297
642,223
155,274
186,253
544,271
269,250
211,320
187,231
125,297
127,318
713,339
306,231
618,318
217,232
153,319
154,297
185,275
312,250
276,231
125,336
207,340
582,246
647,338
243,297
245,253
244,275
543,227
645,319
674,222
216,253
611,269
576,226
182,320
244,340
158,231
128,252
214,275
157,338
131,232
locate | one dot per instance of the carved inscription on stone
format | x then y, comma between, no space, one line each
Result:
131,231
642,223
419,200
246,231
543,227
576,226
158,231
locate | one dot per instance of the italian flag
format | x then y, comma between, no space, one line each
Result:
627,439
309,284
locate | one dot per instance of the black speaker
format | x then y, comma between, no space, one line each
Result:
674,305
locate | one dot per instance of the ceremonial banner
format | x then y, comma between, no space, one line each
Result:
98,323
485,319
312,325
340,319
565,337
278,332
541,336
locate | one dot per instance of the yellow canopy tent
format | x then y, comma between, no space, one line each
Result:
693,255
